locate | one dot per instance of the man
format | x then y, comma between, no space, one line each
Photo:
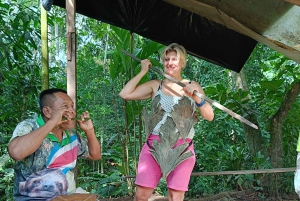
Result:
50,142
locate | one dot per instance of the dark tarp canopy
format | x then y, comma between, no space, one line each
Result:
223,32
165,23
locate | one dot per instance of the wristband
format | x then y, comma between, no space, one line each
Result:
200,104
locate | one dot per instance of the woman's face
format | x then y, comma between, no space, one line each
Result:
172,64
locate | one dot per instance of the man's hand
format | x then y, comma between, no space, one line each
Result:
85,125
57,116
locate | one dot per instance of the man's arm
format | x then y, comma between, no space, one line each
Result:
22,146
94,145
92,141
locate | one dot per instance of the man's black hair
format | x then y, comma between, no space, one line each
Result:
47,97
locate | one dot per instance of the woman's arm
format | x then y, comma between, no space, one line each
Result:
144,91
205,110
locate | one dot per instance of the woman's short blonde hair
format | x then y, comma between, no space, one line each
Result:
181,53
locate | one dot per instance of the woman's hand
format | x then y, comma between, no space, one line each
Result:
145,65
189,90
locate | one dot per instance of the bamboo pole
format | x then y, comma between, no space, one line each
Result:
45,54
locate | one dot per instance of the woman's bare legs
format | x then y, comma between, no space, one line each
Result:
175,195
143,193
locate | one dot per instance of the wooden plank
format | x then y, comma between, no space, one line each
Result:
71,50
261,171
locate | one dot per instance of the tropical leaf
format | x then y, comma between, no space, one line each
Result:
155,117
272,85
184,116
164,153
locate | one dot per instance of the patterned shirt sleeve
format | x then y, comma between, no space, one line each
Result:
83,149
24,128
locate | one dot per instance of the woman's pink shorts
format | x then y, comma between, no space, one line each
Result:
149,173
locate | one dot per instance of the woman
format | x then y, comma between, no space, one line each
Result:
169,96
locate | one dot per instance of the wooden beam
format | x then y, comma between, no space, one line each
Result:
261,171
71,50
295,2
264,171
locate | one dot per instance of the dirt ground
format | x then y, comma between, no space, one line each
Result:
225,196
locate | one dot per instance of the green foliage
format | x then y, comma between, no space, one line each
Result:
105,185
6,184
6,175
18,65
270,91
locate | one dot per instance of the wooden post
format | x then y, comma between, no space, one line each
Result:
71,50
44,41
71,59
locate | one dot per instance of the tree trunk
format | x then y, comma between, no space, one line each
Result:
275,148
254,139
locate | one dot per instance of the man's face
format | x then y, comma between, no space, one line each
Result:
63,101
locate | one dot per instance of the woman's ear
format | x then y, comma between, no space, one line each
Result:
47,111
